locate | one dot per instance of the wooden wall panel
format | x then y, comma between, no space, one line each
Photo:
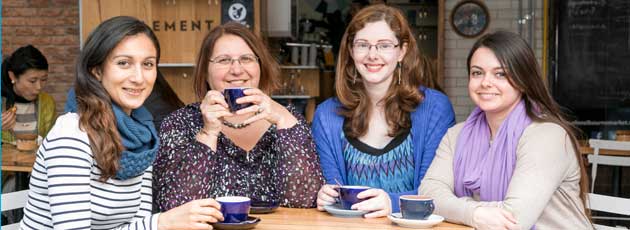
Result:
181,80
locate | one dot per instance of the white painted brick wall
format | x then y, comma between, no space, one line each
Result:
503,15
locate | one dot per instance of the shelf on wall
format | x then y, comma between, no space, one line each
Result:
176,65
291,97
299,67
309,45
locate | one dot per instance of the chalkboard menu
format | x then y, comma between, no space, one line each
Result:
593,54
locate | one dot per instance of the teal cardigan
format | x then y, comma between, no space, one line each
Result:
429,122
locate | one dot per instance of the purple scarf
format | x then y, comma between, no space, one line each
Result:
483,168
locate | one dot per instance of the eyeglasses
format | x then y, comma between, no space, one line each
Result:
245,59
381,47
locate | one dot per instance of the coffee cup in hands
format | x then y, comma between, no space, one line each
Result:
235,209
231,94
348,195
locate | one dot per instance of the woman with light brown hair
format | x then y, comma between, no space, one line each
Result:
383,127
263,151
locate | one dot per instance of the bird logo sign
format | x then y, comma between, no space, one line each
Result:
237,12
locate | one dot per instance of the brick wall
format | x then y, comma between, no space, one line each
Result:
52,26
503,15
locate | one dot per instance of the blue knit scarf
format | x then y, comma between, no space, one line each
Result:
138,136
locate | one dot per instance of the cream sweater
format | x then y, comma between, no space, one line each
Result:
544,190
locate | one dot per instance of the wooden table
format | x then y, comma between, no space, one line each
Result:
308,219
16,160
585,150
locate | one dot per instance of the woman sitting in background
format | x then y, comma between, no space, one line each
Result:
27,111
264,151
93,170
384,126
514,163
25,108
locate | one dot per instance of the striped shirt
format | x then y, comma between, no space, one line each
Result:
26,118
65,192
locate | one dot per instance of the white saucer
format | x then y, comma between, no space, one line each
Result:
407,223
337,210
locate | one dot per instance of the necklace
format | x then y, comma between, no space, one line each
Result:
235,126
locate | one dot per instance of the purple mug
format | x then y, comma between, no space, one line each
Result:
348,195
235,209
231,94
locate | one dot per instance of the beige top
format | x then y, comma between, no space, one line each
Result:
544,189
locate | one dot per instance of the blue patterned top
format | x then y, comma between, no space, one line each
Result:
390,168
429,122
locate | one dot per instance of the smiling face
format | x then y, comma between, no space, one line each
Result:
129,72
236,74
30,83
489,86
377,67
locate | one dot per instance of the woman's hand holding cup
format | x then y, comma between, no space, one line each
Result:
196,214
377,202
327,195
265,108
213,109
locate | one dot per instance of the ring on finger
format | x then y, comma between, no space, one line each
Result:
260,110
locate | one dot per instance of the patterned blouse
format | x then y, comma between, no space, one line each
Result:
283,166
390,168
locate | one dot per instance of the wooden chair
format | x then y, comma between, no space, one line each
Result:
604,203
13,200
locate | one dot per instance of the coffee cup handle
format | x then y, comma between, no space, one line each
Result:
338,199
431,207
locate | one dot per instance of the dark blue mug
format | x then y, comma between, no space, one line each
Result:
234,208
348,195
416,207
231,94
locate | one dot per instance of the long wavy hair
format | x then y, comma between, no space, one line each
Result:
23,59
523,73
94,103
400,99
269,68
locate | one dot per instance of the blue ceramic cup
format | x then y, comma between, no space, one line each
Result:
234,208
231,94
348,195
416,207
